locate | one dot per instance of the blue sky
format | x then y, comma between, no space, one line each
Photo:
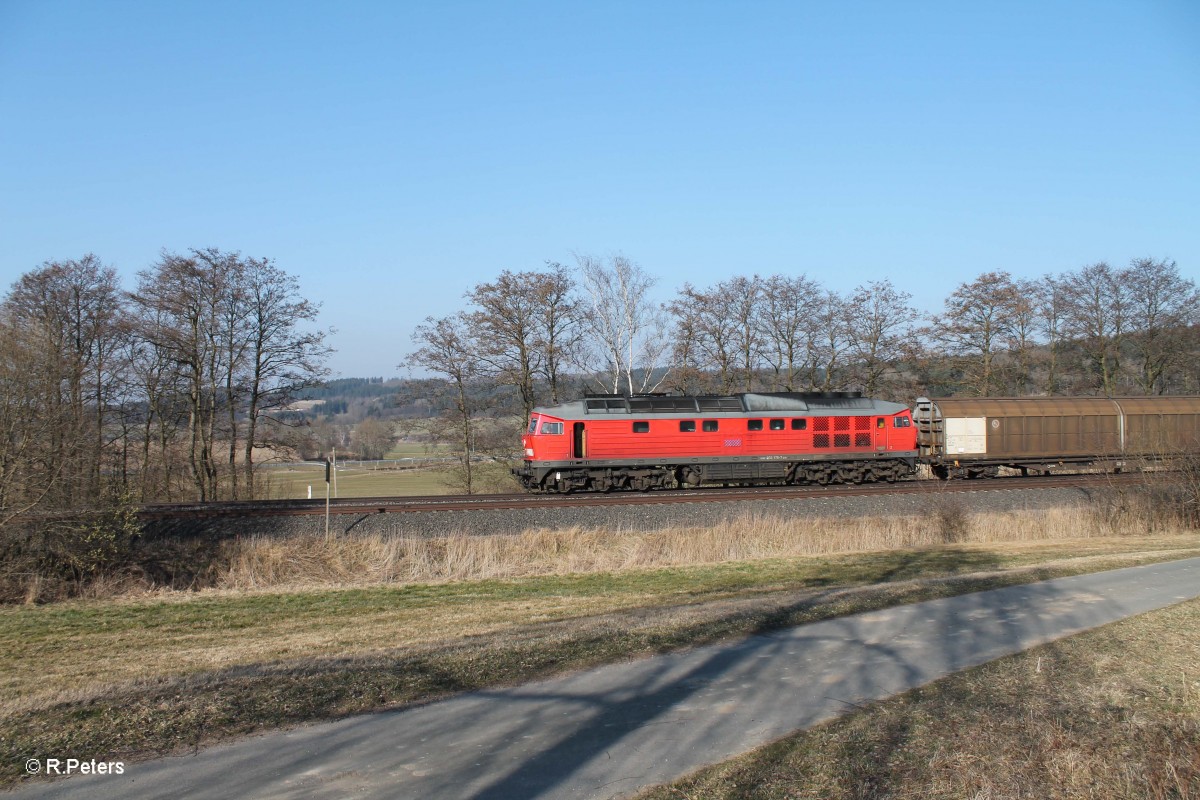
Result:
394,154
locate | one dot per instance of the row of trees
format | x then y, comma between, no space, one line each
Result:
538,334
158,393
1097,330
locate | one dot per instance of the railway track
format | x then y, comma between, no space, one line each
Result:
488,502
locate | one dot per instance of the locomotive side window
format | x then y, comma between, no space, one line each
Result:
754,425
902,422
709,425
532,425
641,427
555,428
799,424
776,424
687,425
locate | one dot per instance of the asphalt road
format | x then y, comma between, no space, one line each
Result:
611,731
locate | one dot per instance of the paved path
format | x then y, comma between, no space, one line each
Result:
611,731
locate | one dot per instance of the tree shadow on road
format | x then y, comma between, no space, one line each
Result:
869,660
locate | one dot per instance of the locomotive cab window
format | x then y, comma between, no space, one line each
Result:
641,427
902,422
555,428
799,424
532,425
880,423
754,424
709,425
687,425
776,424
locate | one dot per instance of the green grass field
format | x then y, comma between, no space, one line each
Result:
406,449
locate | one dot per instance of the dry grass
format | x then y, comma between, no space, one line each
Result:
1112,713
300,629
71,651
273,563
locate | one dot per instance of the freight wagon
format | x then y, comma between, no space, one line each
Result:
974,437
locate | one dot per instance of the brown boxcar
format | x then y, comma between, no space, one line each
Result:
971,437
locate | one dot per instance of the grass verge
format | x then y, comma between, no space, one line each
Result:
128,679
1111,713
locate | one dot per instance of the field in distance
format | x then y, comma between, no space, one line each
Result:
409,469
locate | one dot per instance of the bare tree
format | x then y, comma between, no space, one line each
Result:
1162,305
625,329
285,353
30,428
447,348
373,438
235,332
527,325
976,324
788,302
711,344
743,300
506,330
1022,339
879,329
68,314
1096,303
827,337
559,324
724,329
1050,307
184,298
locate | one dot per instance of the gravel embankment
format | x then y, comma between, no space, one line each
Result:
637,517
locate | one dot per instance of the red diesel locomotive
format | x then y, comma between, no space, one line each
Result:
606,442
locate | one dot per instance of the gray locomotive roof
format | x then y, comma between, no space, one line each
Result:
824,404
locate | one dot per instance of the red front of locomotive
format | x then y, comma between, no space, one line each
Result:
544,440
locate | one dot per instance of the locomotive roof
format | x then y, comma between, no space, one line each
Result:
824,404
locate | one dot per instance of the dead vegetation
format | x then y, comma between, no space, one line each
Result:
299,629
259,563
88,559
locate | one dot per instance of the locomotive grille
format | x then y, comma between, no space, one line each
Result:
821,424
862,440
841,440
841,423
862,423
820,440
